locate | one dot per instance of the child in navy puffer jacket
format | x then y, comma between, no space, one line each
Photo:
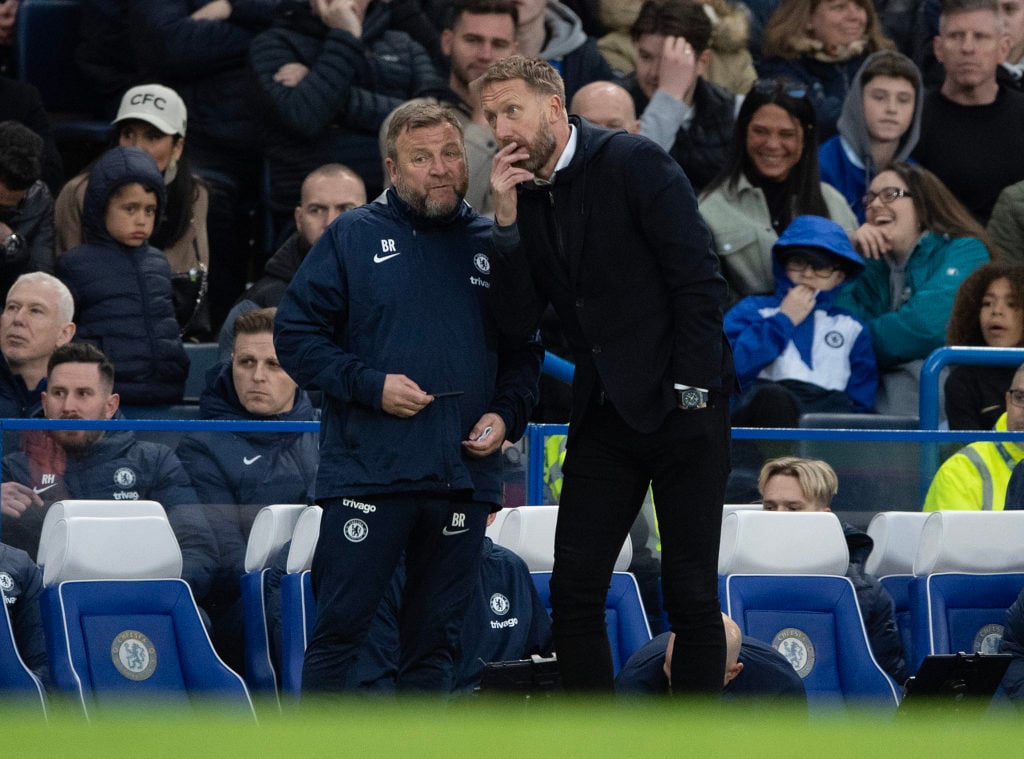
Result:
122,285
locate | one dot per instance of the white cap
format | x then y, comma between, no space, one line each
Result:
157,105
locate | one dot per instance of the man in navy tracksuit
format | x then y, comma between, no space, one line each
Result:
387,317
21,582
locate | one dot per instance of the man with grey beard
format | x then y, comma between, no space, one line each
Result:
387,317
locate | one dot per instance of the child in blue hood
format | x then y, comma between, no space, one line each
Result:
795,352
122,285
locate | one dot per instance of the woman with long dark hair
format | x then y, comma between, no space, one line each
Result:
770,177
920,244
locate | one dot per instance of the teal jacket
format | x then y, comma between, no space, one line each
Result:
935,270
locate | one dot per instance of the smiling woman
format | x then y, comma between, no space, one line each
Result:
921,244
770,177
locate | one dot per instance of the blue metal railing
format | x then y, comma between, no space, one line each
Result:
563,370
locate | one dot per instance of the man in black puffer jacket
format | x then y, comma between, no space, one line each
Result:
236,474
331,72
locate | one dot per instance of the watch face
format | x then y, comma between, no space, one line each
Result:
689,399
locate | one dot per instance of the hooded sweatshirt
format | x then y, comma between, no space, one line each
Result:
568,48
830,348
845,160
123,301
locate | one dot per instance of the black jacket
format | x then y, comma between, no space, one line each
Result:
351,87
235,474
876,606
32,220
702,147
617,246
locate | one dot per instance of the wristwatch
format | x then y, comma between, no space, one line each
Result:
691,398
13,245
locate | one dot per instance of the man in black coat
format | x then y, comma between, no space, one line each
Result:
604,226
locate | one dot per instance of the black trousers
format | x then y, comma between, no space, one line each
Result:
607,470
360,545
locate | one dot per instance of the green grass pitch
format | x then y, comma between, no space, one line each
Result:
512,729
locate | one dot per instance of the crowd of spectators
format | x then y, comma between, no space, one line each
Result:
895,125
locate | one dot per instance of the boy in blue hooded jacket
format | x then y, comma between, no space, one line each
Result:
794,351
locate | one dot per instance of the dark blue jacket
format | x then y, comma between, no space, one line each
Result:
766,673
876,606
1012,643
387,291
351,87
115,467
21,582
235,474
16,400
826,83
206,63
123,301
505,619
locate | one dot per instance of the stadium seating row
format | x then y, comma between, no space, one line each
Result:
119,624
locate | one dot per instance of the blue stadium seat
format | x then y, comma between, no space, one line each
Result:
624,614
785,585
121,627
896,535
969,569
46,39
18,684
202,357
529,532
271,529
298,608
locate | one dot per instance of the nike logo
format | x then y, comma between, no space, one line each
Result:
247,461
449,533
37,491
379,259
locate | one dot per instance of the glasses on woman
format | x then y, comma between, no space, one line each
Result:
1016,397
818,268
774,86
886,195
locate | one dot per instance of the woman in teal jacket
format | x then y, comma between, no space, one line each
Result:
920,243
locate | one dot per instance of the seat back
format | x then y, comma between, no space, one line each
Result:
624,615
785,585
896,536
118,622
271,529
815,622
968,570
298,609
74,542
17,682
529,531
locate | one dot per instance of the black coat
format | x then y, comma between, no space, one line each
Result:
617,246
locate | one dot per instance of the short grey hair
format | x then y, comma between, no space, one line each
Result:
65,301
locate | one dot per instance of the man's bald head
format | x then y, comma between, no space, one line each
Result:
606,104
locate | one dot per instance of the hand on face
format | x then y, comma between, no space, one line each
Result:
505,175
798,303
